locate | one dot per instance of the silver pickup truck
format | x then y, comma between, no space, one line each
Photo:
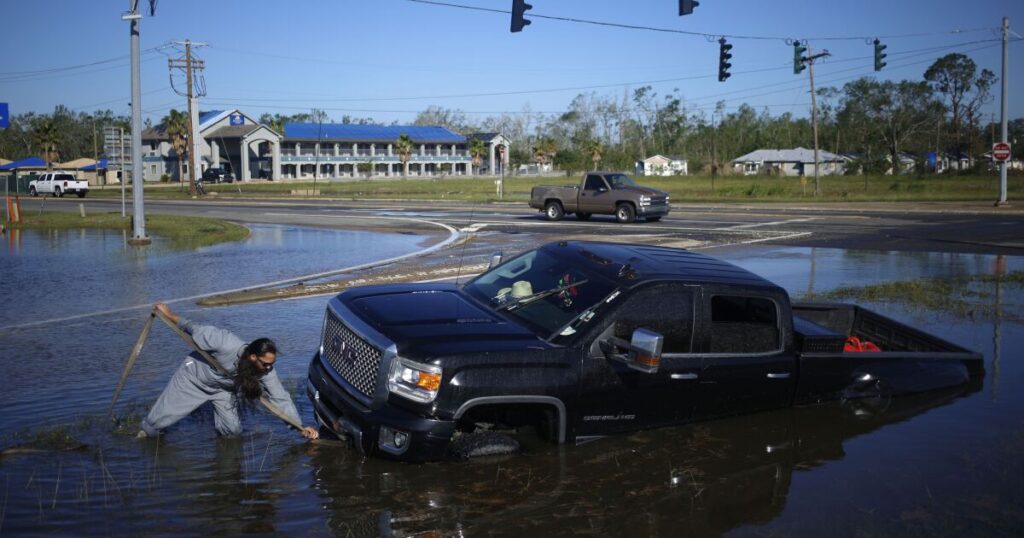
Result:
601,193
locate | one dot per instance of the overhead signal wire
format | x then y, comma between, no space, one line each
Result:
698,34
781,67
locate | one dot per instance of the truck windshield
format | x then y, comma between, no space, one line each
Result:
541,290
618,181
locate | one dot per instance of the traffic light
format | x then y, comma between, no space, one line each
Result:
879,47
519,8
798,57
723,60
686,7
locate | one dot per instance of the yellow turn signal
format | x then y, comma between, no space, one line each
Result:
429,381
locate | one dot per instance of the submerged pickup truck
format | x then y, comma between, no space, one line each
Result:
576,340
601,193
58,184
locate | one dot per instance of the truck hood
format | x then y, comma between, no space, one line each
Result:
643,190
431,320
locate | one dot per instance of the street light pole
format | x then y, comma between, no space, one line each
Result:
1003,105
139,214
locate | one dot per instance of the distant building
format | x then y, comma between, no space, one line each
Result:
497,145
229,139
336,150
788,162
661,165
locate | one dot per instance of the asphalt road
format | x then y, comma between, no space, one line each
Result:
946,227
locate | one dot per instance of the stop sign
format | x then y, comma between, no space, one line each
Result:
1001,151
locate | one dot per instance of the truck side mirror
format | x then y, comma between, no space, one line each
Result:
644,353
495,260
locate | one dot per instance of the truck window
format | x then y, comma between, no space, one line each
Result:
593,183
65,177
664,309
744,325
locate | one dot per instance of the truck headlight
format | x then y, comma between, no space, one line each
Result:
645,200
416,381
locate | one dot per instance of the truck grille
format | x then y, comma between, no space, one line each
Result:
657,200
353,358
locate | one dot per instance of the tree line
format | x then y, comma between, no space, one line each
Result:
875,120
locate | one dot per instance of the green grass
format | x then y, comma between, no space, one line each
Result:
958,295
740,189
180,232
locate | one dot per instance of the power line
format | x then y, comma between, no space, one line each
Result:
576,88
696,34
71,67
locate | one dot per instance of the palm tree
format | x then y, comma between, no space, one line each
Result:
176,126
595,149
477,148
47,136
403,147
543,150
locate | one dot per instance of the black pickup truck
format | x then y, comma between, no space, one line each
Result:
577,340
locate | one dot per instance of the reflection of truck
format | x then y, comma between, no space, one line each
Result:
582,339
601,193
58,184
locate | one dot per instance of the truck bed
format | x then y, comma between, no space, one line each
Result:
910,360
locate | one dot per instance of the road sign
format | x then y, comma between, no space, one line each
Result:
1001,151
5,117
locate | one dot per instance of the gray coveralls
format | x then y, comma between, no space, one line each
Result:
195,383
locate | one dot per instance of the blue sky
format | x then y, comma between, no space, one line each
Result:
387,59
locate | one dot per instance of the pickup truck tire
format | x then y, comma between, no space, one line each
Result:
554,210
81,195
483,443
583,216
32,191
57,193
625,213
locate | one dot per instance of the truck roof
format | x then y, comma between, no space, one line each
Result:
653,263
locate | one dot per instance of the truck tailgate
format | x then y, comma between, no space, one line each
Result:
910,360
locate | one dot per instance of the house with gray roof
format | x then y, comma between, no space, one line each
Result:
788,162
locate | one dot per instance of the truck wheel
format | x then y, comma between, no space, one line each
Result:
625,213
32,191
81,195
583,216
57,193
482,443
554,210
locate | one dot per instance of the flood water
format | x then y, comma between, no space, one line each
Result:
944,463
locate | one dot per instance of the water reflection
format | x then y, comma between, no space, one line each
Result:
705,479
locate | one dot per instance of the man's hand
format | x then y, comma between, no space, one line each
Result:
310,432
166,311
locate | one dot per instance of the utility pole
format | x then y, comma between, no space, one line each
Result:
139,236
191,65
1003,106
809,59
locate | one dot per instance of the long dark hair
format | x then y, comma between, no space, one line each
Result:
247,375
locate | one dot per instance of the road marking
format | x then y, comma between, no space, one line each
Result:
759,224
473,228
776,238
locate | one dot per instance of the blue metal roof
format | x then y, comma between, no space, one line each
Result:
27,162
208,115
92,167
370,133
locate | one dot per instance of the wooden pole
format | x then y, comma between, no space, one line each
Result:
130,363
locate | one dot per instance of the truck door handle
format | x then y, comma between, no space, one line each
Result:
778,375
684,376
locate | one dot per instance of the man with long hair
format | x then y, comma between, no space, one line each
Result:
250,369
